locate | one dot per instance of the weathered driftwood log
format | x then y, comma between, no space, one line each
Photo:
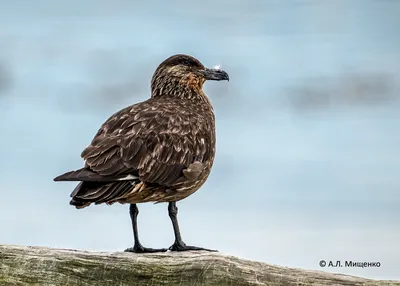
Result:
20,265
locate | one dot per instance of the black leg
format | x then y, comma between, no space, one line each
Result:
138,247
179,245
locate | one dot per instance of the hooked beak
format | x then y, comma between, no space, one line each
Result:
214,74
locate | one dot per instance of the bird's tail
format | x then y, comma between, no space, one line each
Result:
84,174
99,192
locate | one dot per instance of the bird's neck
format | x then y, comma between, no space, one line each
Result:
178,89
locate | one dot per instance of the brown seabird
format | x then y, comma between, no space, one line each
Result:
158,150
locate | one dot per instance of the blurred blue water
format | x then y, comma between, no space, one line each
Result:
308,138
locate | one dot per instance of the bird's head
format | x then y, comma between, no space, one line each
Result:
181,75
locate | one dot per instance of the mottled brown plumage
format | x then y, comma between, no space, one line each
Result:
158,150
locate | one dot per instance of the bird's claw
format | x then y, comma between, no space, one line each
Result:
183,247
141,249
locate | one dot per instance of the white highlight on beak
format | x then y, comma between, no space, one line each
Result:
217,67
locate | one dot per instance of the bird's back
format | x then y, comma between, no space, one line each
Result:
158,150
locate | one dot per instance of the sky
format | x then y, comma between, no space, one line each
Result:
308,139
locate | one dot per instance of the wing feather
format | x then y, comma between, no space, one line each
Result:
154,139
